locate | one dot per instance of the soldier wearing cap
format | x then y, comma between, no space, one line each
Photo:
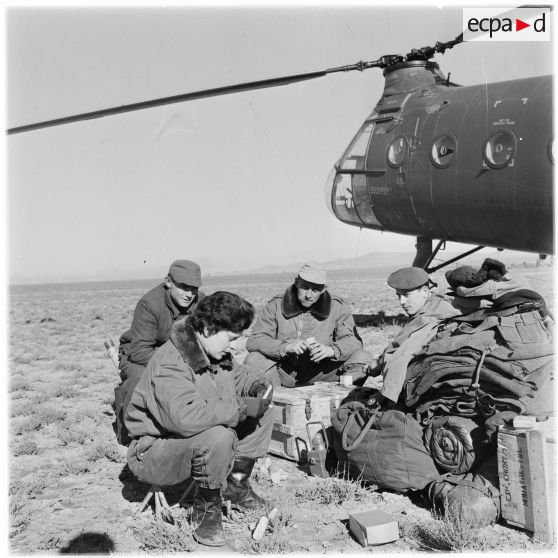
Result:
306,334
426,309
155,313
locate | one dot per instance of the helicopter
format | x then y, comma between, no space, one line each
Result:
434,160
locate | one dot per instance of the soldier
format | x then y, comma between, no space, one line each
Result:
306,334
426,309
196,413
154,316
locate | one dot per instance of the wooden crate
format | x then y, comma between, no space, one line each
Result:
527,470
294,408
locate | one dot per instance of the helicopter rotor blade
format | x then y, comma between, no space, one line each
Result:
225,90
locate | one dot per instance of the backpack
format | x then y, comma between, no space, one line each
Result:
383,447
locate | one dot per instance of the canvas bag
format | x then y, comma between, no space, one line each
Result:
383,447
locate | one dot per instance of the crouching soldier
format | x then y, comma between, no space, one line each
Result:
195,413
306,335
154,315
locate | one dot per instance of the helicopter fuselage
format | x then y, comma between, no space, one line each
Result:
439,161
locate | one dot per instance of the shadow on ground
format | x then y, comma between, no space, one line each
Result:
89,543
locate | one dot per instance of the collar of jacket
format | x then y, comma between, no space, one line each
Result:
291,307
183,337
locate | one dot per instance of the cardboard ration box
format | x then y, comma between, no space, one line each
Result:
294,408
527,474
373,527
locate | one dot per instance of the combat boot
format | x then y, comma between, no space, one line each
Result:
238,490
207,514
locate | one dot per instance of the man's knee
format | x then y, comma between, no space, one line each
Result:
258,361
219,439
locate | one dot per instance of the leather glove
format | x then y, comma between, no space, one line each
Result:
256,406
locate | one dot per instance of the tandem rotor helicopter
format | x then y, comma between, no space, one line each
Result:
435,160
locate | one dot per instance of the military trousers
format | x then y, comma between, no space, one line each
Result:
295,371
207,457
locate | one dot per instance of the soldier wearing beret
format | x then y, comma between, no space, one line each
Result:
426,309
306,334
155,313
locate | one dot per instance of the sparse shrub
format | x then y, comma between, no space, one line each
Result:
48,413
25,446
332,491
69,436
104,450
98,317
38,483
23,358
68,366
77,467
22,409
21,507
29,424
452,532
161,537
277,540
66,392
85,412
40,399
21,512
48,319
108,399
19,384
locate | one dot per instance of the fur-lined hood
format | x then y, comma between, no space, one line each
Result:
291,307
183,337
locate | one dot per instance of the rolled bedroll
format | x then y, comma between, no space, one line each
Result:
455,443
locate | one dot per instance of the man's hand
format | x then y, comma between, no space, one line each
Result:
318,352
296,348
260,389
374,382
256,406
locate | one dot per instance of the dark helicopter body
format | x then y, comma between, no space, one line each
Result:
440,161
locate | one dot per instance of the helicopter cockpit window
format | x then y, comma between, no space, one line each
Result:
499,149
343,201
443,151
354,156
398,151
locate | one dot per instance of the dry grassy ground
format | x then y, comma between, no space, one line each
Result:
70,488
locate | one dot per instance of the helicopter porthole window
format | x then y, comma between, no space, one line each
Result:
443,151
398,151
499,149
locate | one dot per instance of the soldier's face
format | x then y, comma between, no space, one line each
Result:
218,345
413,300
308,293
182,295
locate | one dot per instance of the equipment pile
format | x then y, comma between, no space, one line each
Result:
480,371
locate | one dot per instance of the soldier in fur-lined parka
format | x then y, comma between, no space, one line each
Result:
196,413
306,335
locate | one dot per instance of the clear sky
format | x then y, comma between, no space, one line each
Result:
233,182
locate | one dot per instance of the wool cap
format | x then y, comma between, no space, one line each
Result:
186,272
409,278
313,273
